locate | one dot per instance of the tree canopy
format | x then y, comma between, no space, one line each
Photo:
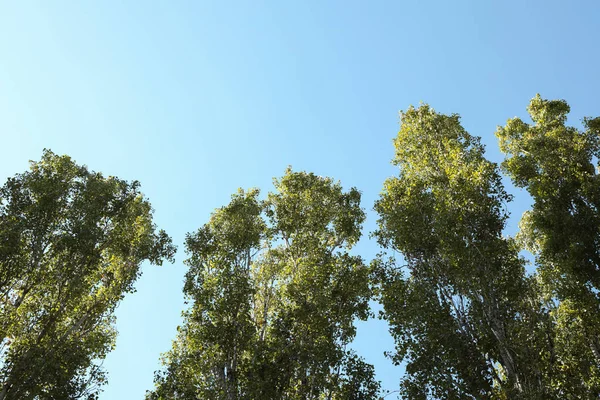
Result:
467,320
558,165
458,309
274,286
274,294
71,245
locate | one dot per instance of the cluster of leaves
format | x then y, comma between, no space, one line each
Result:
274,294
71,245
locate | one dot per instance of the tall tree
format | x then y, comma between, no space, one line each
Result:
461,310
274,294
71,245
558,165
210,356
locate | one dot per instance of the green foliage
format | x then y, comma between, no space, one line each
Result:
555,163
462,312
274,294
71,244
273,290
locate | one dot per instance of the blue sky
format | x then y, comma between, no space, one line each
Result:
195,99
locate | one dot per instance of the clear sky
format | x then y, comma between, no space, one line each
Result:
195,99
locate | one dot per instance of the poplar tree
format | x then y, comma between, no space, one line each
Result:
558,165
71,245
461,309
273,294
